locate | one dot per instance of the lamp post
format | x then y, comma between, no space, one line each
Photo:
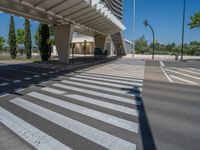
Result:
183,30
148,25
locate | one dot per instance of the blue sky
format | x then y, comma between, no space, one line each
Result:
164,15
166,18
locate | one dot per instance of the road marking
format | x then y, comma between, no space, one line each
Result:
54,91
103,83
111,106
51,72
28,78
111,77
4,94
97,136
99,94
187,75
170,80
125,92
19,90
184,80
197,73
4,84
17,81
5,79
162,64
195,69
115,121
44,74
111,80
124,75
36,76
29,133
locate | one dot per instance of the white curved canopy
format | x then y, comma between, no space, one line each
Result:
90,16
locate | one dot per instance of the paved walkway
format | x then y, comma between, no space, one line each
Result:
93,108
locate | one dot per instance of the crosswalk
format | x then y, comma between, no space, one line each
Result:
96,108
184,75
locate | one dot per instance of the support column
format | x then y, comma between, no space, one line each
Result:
63,36
100,41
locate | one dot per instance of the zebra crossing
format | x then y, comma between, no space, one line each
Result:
183,75
97,108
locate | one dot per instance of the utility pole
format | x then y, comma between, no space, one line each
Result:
153,33
183,30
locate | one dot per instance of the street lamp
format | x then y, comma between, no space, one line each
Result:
183,30
148,25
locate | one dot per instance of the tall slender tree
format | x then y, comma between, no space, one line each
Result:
27,39
43,42
12,38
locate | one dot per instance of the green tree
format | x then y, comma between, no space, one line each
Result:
195,21
20,40
141,45
43,42
12,38
27,39
2,42
20,37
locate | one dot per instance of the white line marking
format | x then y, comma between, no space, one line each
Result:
28,78
125,92
99,94
111,106
104,83
4,84
195,69
17,81
184,80
19,90
29,133
100,137
5,79
187,75
44,74
170,80
162,64
197,73
111,77
124,75
115,121
51,72
110,80
54,91
4,94
36,76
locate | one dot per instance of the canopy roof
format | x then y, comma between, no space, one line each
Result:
88,16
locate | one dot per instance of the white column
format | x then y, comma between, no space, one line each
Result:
63,36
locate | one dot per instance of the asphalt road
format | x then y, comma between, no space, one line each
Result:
172,108
120,105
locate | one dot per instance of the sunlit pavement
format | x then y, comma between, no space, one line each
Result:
121,105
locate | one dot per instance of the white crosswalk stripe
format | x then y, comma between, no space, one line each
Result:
54,91
125,92
100,105
110,80
112,77
91,92
115,121
29,133
111,106
97,136
104,83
